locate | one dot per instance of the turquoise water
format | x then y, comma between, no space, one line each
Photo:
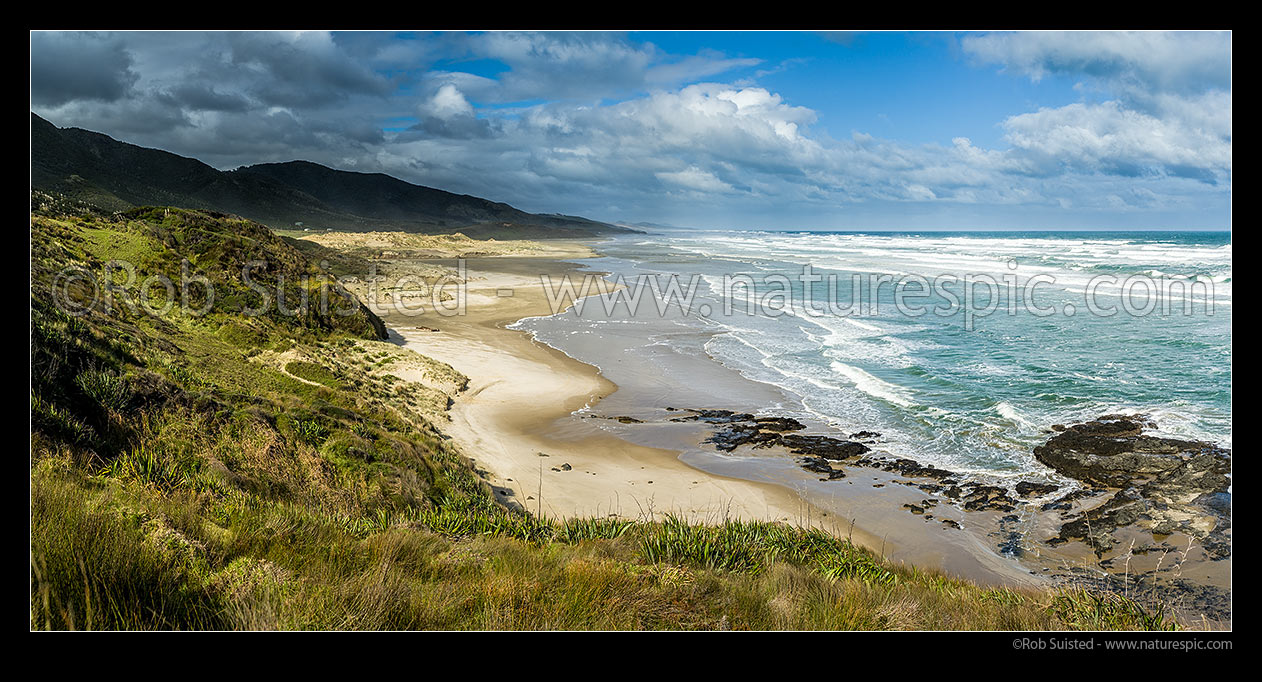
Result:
971,393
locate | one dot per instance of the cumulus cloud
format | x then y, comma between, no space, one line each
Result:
448,114
205,97
448,103
1170,111
717,145
1110,138
695,67
298,69
583,65
563,65
1186,62
695,179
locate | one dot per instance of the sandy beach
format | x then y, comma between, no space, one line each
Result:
516,421
517,406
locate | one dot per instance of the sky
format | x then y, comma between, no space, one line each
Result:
740,130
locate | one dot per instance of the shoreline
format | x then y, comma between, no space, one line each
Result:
499,417
502,424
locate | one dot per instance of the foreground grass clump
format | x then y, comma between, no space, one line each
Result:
185,474
1086,610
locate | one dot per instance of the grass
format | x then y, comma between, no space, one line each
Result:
180,482
313,372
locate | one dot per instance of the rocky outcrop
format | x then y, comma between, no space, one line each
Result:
829,455
1028,489
1113,451
741,428
1131,477
1164,485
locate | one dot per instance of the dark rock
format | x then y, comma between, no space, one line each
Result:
821,466
823,446
1011,540
910,467
1011,545
1028,489
715,416
987,497
779,424
1095,527
1164,485
1115,453
737,429
733,436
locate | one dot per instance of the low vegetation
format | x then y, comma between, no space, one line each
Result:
231,471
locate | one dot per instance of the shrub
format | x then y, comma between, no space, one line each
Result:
105,388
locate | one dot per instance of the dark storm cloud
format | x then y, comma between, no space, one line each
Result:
129,119
308,70
225,98
77,66
461,128
202,97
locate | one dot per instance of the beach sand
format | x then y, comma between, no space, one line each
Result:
517,408
515,421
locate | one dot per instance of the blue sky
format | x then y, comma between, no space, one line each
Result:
779,130
912,87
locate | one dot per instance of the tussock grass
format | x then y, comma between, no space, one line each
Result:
94,568
1089,610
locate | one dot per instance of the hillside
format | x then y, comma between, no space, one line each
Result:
99,170
388,199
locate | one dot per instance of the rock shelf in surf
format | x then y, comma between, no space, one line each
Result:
829,455
1130,478
1162,485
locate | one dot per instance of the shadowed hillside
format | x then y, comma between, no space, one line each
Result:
99,170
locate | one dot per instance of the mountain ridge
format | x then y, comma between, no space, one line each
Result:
115,175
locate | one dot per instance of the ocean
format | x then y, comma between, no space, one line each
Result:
961,348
